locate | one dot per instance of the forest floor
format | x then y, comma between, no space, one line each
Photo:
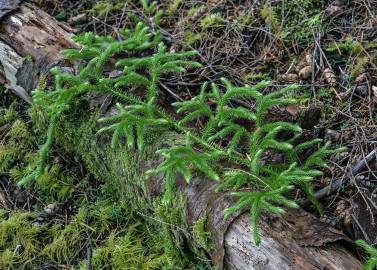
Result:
329,48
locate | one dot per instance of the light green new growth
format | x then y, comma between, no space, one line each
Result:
259,185
371,263
202,237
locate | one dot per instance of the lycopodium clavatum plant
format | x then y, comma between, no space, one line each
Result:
371,263
139,59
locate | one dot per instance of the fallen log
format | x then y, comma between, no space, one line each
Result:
30,41
296,240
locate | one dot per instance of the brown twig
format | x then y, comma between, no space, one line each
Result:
335,185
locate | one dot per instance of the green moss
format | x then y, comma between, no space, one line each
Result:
360,66
257,76
295,20
127,250
102,8
18,141
246,17
202,237
192,11
40,120
19,130
7,115
55,181
173,6
104,186
347,47
18,240
65,244
269,15
212,20
118,240
190,38
118,170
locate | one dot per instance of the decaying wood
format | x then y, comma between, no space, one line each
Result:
281,250
296,240
30,41
7,6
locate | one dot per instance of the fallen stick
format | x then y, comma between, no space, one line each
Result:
335,185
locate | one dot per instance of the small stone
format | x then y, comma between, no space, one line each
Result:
40,218
51,209
293,109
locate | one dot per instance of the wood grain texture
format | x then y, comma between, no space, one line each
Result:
10,63
280,250
30,42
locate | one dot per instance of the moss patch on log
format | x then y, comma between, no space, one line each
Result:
99,193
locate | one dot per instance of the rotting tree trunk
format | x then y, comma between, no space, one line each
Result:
296,240
30,41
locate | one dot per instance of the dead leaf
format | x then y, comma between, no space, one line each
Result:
293,109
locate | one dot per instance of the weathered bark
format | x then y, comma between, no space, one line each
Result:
7,6
297,240
282,248
30,41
